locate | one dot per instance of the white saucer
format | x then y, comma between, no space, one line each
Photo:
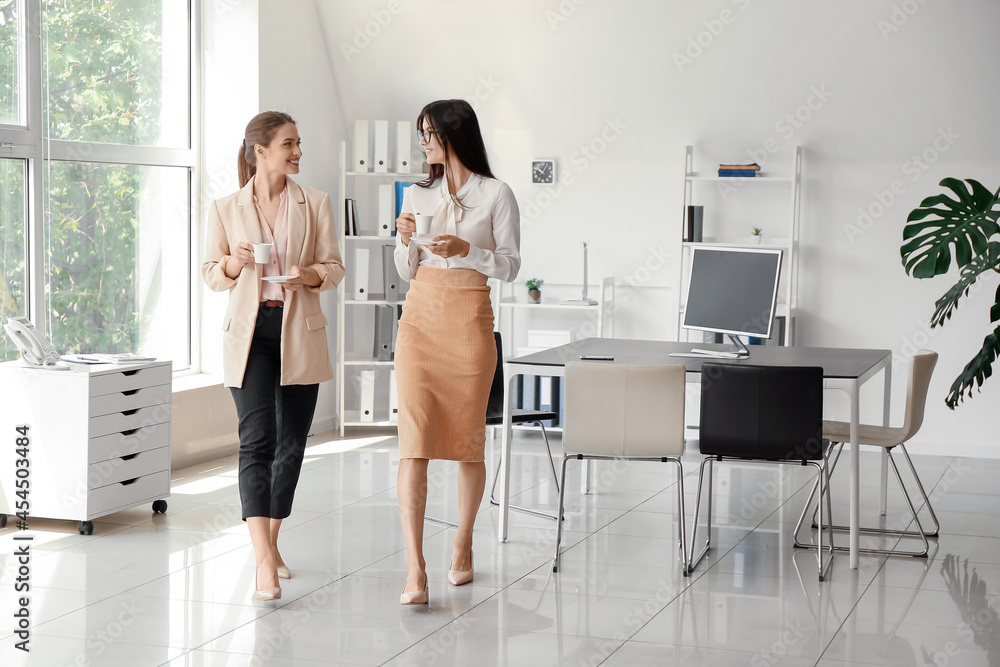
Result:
277,279
424,240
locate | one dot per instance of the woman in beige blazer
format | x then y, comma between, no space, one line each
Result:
274,333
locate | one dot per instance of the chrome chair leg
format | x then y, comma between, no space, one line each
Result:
682,513
886,531
883,531
823,480
555,477
692,560
559,523
923,493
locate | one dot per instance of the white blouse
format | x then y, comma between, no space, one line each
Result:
490,222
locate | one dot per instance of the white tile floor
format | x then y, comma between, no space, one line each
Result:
175,589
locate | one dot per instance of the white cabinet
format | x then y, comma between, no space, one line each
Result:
733,206
99,438
363,381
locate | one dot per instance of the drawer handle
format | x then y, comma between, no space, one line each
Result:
129,413
129,481
130,393
130,372
129,457
131,431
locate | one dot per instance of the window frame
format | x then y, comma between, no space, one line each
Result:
30,142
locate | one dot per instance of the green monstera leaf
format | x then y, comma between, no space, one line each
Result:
944,306
966,222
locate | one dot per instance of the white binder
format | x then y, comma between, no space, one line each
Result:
386,220
367,396
403,147
381,161
393,400
361,162
361,274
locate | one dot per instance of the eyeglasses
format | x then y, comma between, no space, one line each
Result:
424,136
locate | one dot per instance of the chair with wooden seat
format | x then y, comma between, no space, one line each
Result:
889,438
624,412
762,414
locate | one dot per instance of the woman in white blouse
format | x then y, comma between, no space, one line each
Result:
445,351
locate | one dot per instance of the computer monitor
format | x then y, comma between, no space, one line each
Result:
733,291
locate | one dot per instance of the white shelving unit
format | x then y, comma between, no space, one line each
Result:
784,184
350,362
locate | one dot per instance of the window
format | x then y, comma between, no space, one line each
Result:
12,247
106,208
11,57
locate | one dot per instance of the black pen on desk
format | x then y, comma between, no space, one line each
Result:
596,357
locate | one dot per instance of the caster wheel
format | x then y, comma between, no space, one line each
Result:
3,520
85,527
160,506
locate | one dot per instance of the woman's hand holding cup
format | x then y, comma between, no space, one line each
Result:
242,256
406,226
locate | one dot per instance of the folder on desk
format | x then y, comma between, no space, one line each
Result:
383,333
386,221
360,162
381,161
390,277
361,274
367,396
403,147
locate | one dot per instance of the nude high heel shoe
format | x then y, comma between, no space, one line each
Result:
460,577
416,597
267,593
284,572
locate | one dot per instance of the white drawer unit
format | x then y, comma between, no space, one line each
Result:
99,439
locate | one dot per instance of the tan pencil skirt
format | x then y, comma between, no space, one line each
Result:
445,360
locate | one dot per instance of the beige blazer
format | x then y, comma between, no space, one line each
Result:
312,242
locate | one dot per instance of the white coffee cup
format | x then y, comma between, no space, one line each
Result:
424,223
262,252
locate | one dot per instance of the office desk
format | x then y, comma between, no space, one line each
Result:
844,369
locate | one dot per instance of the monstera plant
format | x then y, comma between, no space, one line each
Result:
966,223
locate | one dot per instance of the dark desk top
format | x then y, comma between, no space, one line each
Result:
836,362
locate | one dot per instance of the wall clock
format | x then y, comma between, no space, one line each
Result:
543,171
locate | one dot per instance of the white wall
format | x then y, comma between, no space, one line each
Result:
552,78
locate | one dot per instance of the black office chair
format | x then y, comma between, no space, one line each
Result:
763,414
494,417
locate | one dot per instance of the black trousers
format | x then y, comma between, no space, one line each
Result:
274,423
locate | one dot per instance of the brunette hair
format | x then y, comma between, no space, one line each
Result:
260,130
457,131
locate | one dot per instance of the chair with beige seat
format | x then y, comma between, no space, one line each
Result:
624,412
889,438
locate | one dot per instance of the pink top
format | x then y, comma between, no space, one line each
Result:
274,291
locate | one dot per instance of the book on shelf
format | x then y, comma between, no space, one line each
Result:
350,218
400,187
746,173
753,165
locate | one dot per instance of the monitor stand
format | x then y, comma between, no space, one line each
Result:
742,352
